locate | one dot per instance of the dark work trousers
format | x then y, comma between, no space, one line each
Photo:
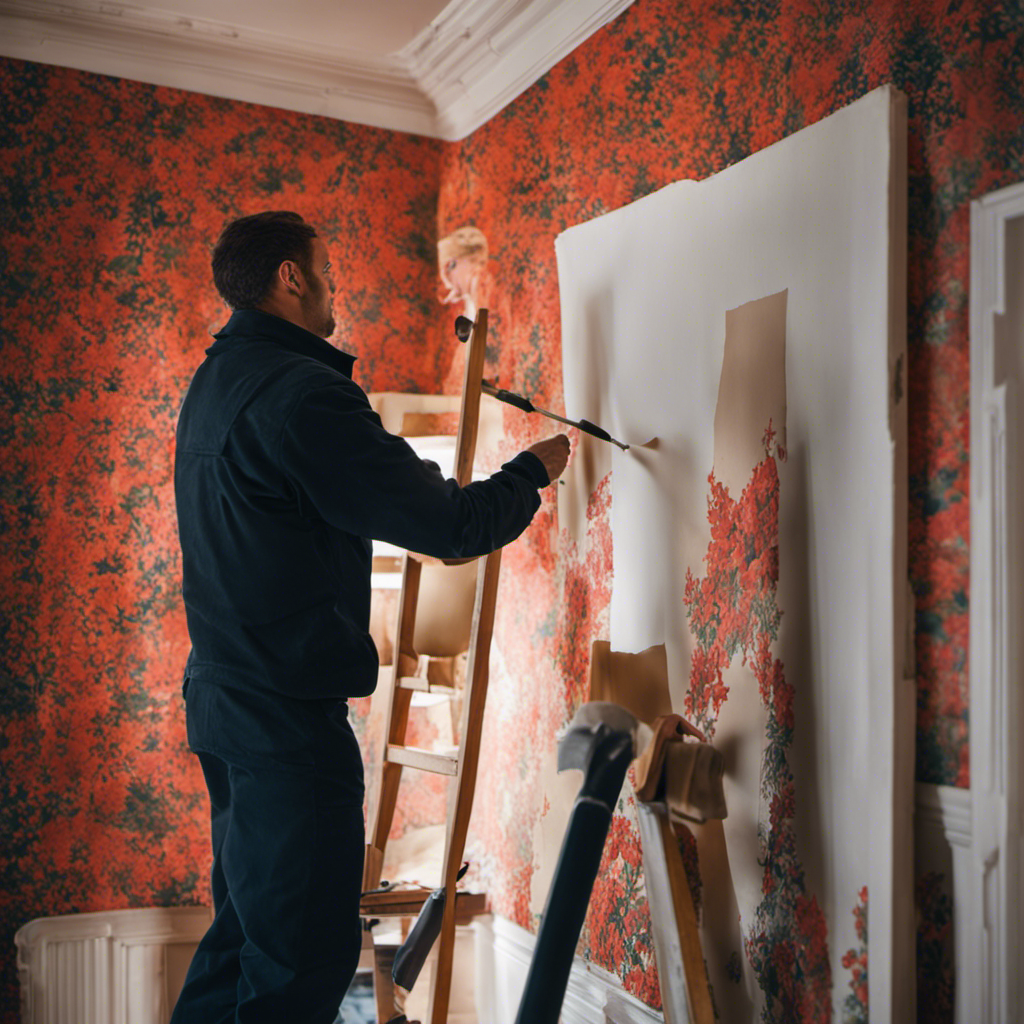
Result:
285,779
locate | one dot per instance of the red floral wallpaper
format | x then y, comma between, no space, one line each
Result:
679,89
111,193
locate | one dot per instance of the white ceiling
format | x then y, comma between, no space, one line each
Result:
431,67
377,28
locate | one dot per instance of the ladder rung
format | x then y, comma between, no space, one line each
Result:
425,760
414,683
408,903
422,685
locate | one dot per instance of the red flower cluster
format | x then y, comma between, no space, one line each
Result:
733,611
619,927
856,1005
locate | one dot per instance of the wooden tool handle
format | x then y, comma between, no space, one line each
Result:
469,415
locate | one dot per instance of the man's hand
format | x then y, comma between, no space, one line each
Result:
554,453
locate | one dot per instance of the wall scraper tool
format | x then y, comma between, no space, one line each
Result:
463,328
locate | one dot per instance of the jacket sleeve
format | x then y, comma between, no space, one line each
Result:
368,482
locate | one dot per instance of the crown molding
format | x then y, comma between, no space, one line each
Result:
479,55
472,60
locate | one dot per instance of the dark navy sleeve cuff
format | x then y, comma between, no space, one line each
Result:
528,465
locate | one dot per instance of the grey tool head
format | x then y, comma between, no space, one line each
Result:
601,742
594,722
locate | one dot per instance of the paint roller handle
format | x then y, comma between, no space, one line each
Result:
592,428
526,405
508,397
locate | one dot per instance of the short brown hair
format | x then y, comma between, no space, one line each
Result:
250,249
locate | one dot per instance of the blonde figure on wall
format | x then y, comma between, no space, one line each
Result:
462,262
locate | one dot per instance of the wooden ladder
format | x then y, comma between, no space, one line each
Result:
461,765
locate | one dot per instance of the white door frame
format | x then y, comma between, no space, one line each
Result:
989,974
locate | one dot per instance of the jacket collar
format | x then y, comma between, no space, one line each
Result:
254,323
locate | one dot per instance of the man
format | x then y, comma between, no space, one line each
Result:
282,474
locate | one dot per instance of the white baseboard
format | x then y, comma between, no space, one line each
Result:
944,816
592,996
945,807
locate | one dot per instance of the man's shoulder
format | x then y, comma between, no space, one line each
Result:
259,380
260,364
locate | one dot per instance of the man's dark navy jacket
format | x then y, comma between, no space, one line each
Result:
283,472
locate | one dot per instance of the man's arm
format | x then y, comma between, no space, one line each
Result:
371,483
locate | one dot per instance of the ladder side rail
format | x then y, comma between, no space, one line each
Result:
469,414
477,679
399,696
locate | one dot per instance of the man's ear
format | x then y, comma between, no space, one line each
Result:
291,277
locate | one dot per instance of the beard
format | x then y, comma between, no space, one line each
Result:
318,312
